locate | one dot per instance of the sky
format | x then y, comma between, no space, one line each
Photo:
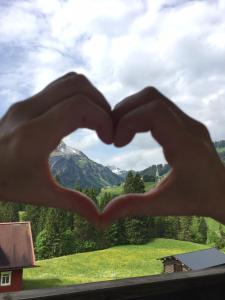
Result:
178,46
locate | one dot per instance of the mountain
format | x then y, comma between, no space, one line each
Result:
74,168
220,148
152,170
118,171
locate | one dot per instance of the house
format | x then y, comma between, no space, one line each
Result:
192,261
16,253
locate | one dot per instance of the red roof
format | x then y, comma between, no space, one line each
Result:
16,245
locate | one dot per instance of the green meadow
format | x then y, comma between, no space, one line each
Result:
113,263
118,190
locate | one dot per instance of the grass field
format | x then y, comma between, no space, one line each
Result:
222,149
118,190
114,263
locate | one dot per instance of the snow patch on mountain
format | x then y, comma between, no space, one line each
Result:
63,149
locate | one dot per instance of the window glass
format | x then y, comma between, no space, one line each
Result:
6,278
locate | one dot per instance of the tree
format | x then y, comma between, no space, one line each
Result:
9,212
136,228
36,215
104,200
185,233
129,183
113,235
149,178
171,227
220,241
138,183
85,235
42,245
203,230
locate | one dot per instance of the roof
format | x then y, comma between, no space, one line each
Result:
201,259
16,245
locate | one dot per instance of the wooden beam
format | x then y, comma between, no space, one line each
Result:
198,283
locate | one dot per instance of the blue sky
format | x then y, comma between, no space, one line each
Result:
177,46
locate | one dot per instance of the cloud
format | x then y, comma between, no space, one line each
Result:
83,139
177,46
138,159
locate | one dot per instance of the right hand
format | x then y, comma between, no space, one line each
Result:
196,184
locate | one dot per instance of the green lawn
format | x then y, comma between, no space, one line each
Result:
114,263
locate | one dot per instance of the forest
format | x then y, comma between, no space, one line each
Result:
57,232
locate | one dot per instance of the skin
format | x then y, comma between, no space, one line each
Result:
196,184
32,129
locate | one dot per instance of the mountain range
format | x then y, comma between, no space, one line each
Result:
73,168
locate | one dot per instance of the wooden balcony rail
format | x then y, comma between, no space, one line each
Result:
205,284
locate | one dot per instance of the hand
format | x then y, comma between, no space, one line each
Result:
32,129
196,184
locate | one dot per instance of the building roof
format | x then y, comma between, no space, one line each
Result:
201,259
16,246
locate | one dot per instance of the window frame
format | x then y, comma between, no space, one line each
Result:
3,276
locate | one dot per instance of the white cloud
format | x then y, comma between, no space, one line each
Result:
83,139
137,159
177,46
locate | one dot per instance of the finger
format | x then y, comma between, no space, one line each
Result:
67,86
53,195
73,113
150,94
74,201
161,201
141,98
164,125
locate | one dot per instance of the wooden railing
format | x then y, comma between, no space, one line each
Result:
206,284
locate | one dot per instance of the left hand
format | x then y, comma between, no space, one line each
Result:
31,130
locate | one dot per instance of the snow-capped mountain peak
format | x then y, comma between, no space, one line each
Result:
117,171
63,149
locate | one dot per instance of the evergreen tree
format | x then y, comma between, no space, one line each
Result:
32,214
220,241
113,235
203,230
9,212
159,227
149,178
129,183
136,228
104,200
86,236
138,183
42,245
185,233
171,227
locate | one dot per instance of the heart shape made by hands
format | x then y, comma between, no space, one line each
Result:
33,128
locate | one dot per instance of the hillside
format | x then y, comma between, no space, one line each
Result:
73,167
113,263
118,190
